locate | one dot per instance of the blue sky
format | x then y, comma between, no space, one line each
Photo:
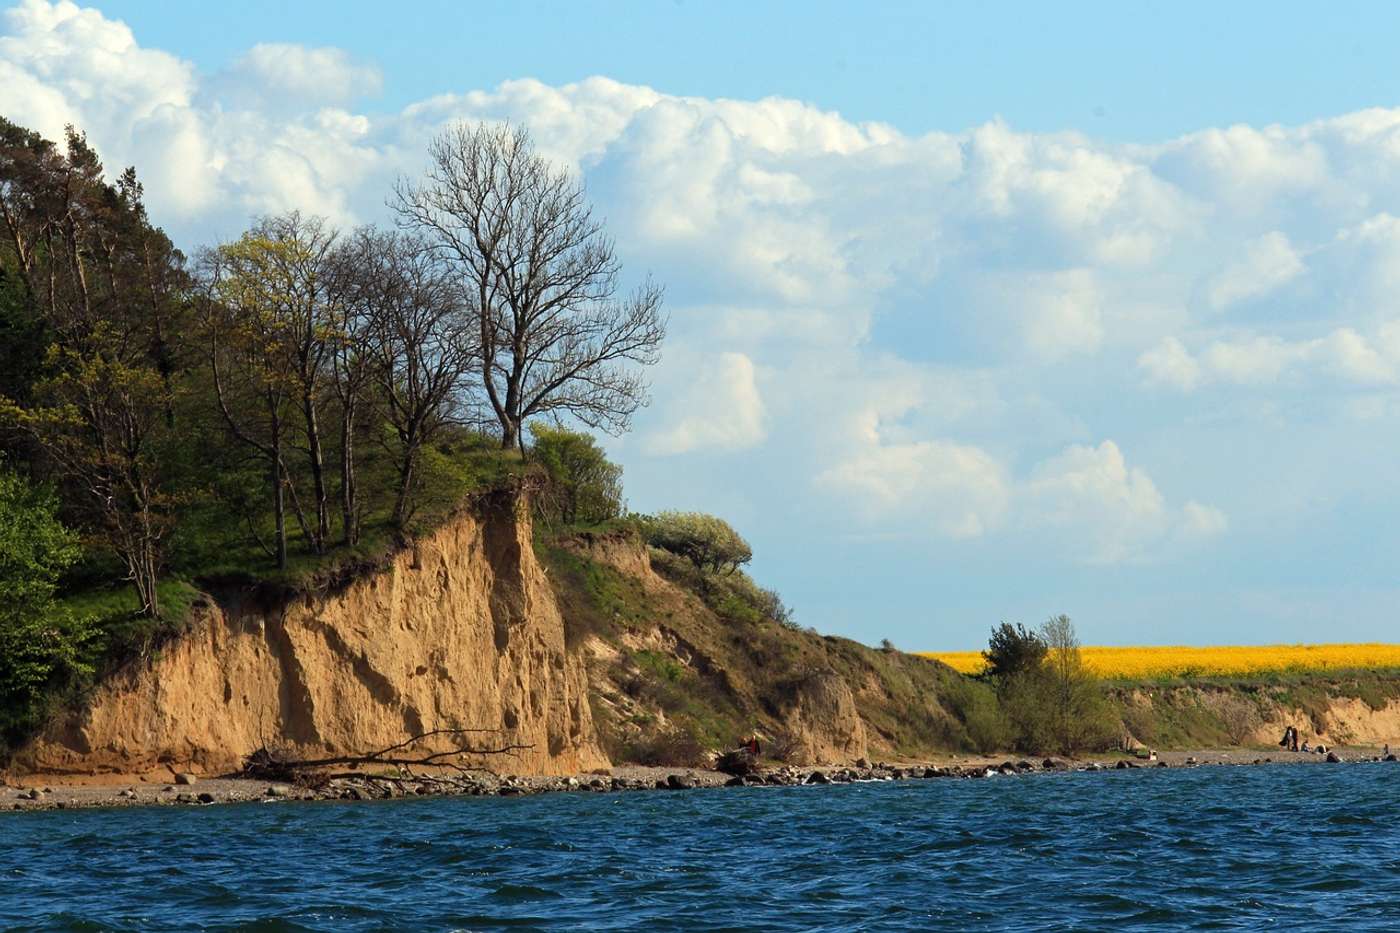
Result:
976,315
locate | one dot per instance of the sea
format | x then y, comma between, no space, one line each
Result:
1301,847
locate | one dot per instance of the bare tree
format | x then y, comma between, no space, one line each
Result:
1075,705
421,343
542,277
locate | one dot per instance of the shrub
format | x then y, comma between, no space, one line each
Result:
584,487
976,707
709,543
677,747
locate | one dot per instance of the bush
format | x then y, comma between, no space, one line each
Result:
976,707
584,487
709,543
677,747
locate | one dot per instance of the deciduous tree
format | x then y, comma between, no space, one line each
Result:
553,335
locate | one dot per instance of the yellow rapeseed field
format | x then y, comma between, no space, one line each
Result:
1180,661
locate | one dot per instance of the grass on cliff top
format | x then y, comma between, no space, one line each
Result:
742,658
452,475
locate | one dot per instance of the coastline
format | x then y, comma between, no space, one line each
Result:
84,792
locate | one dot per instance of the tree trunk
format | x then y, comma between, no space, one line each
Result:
510,433
350,532
318,476
279,500
406,469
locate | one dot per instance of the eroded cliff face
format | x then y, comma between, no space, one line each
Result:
460,632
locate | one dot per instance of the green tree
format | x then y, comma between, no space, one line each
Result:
1076,711
273,320
40,643
708,542
584,486
107,289
1012,650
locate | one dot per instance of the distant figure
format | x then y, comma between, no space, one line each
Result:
1386,753
1295,740
1290,739
1305,746
751,745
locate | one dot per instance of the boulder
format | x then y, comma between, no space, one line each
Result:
1332,757
185,778
206,797
679,782
736,761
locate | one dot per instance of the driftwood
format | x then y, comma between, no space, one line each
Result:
277,765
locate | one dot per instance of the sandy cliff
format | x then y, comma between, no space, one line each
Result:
460,632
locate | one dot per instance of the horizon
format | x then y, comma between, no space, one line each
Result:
970,321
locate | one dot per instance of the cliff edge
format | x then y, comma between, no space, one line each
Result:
459,631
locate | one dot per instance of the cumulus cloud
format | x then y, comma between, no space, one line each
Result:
954,490
721,409
897,320
1267,263
273,74
1343,355
1091,502
1171,364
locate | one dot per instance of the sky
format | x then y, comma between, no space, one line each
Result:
976,314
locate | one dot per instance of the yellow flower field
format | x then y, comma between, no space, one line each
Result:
1180,661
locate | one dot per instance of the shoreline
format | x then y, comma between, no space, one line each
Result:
101,791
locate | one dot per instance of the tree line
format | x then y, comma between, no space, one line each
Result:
287,386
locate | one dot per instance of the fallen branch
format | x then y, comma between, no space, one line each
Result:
269,764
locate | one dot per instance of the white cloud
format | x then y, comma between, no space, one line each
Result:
1343,355
720,410
1266,264
1169,363
273,74
955,490
1095,507
1203,521
891,319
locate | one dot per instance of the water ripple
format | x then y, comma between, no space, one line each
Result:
1208,848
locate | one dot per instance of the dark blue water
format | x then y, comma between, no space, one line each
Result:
1208,848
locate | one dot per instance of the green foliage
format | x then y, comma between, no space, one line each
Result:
595,599
583,487
976,706
1012,650
1048,700
41,643
709,543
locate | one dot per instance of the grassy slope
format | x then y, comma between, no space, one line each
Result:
681,658
1178,712
701,657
